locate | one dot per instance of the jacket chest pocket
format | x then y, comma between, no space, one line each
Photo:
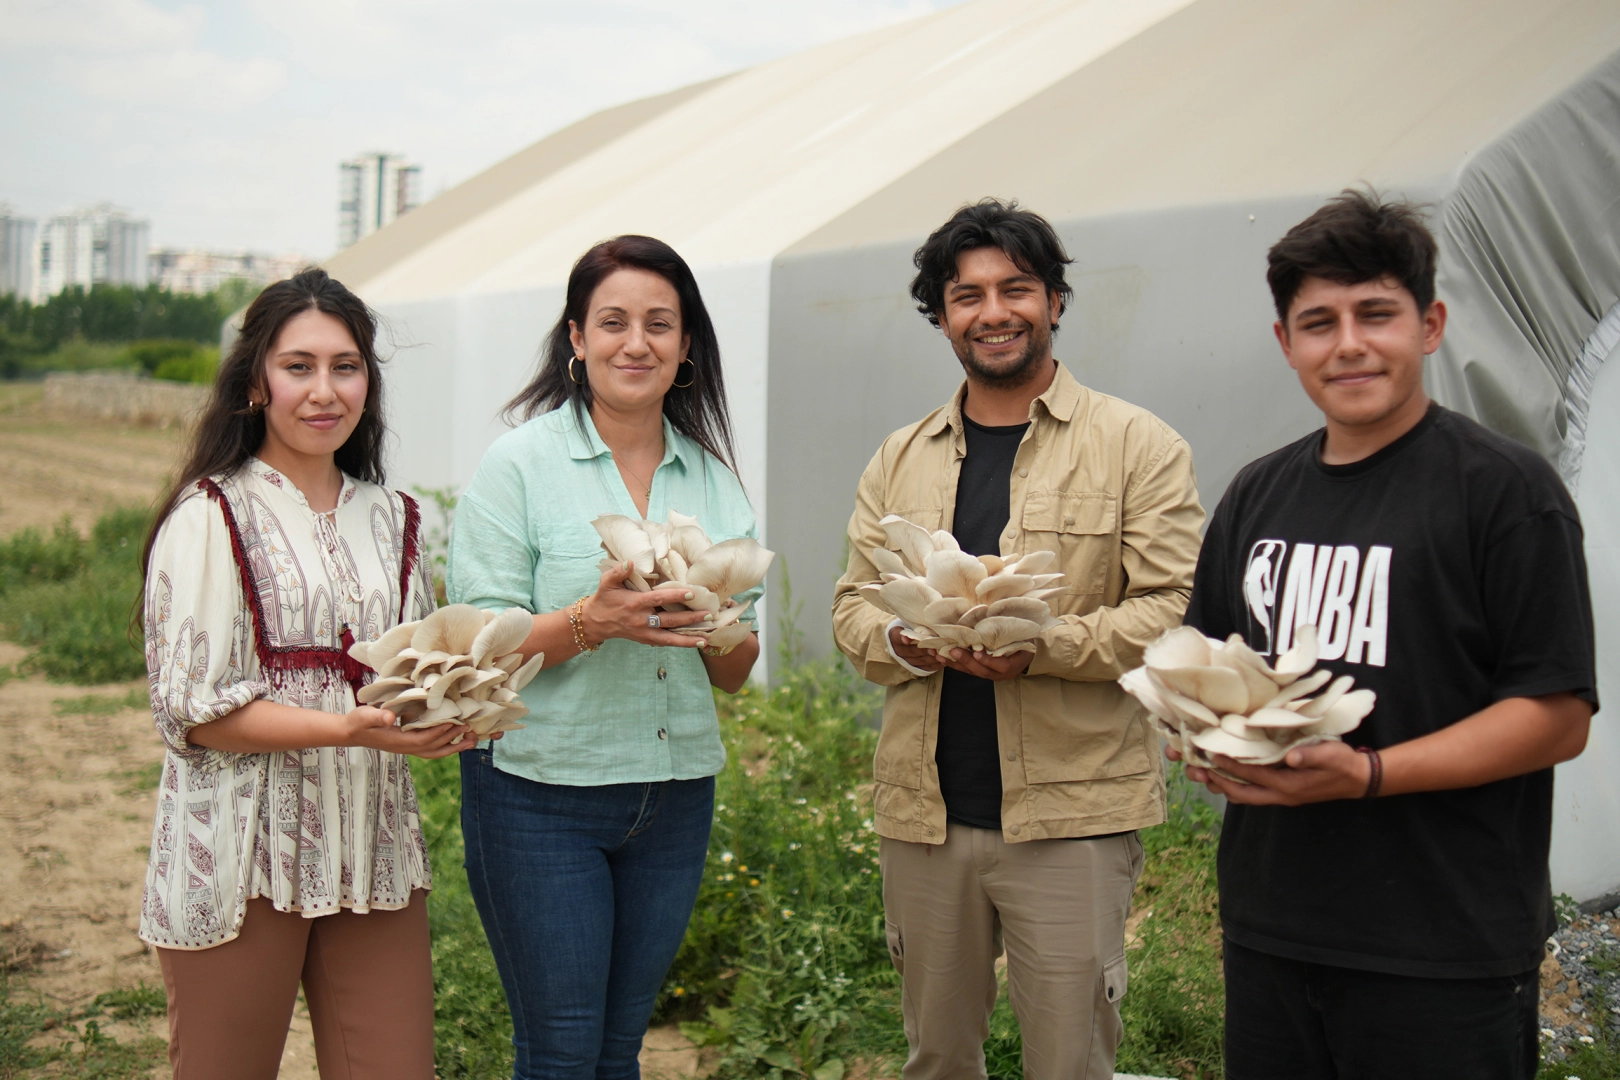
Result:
1082,527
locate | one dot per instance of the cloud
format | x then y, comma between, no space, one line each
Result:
224,121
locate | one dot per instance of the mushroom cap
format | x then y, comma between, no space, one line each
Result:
731,634
1182,647
913,542
1344,715
1298,688
887,562
501,635
449,630
382,690
1036,562
626,540
955,573
731,567
908,598
518,679
1220,688
1300,658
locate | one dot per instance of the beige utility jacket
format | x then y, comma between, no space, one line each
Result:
1110,488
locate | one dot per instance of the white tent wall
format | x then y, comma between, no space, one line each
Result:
1586,799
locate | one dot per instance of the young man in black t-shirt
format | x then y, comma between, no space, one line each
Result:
1385,900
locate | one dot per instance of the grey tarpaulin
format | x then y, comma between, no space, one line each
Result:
1530,266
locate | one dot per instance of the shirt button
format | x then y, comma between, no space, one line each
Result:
1069,520
1023,472
1012,534
663,733
662,674
1015,830
1012,755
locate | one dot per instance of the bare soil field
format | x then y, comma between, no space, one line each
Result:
51,465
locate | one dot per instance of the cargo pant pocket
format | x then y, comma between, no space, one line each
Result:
1115,978
897,946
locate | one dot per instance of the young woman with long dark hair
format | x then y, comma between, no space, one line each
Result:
287,847
586,832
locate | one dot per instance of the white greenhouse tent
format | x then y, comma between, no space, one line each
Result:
1171,142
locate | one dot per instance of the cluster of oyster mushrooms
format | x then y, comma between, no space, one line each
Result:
678,553
1211,697
460,665
948,599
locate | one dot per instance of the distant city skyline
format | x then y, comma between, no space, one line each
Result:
223,124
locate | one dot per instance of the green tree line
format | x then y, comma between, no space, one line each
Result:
115,326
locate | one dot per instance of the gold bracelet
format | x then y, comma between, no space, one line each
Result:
576,622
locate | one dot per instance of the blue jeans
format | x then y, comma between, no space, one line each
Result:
585,893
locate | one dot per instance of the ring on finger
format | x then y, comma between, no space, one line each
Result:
654,621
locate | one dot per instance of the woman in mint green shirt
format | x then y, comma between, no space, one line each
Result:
586,832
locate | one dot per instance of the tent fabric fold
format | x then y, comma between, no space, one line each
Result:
1530,259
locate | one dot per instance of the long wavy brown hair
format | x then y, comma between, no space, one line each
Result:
229,432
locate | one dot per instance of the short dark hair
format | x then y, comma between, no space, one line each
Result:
1023,235
696,408
1357,236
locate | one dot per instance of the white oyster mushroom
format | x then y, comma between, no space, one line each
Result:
430,676
946,598
676,553
1209,697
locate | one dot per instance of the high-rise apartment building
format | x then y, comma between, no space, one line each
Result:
16,253
373,190
100,245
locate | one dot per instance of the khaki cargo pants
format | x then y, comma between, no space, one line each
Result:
1058,908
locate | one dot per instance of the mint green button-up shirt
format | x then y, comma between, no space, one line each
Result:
627,713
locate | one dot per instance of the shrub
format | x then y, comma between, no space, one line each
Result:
71,598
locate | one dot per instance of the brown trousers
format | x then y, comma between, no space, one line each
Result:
368,980
1057,906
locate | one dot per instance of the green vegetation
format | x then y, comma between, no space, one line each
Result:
86,1053
784,971
70,598
101,704
83,329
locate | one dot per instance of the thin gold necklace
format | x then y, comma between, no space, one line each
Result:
646,484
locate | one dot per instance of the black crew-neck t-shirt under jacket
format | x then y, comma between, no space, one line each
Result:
1445,573
968,752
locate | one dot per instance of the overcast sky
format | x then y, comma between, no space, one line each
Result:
223,123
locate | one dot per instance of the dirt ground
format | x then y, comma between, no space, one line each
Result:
52,465
77,790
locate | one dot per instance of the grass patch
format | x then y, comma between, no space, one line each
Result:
70,597
102,704
141,779
79,1050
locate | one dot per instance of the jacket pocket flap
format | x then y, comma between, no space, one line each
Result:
1087,513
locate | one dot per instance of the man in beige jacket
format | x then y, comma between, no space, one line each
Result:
1009,790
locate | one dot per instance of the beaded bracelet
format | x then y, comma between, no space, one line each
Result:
576,622
1375,778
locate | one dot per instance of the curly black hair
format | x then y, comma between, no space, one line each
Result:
1023,235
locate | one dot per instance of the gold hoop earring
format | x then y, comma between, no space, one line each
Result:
689,382
571,377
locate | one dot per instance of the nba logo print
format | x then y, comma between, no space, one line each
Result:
1260,578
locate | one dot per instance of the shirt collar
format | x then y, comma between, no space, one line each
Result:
584,443
1059,400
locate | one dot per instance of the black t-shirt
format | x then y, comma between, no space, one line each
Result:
968,754
1444,572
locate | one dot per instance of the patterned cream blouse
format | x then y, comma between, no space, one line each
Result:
250,594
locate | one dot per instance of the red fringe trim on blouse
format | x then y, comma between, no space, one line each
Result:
278,659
